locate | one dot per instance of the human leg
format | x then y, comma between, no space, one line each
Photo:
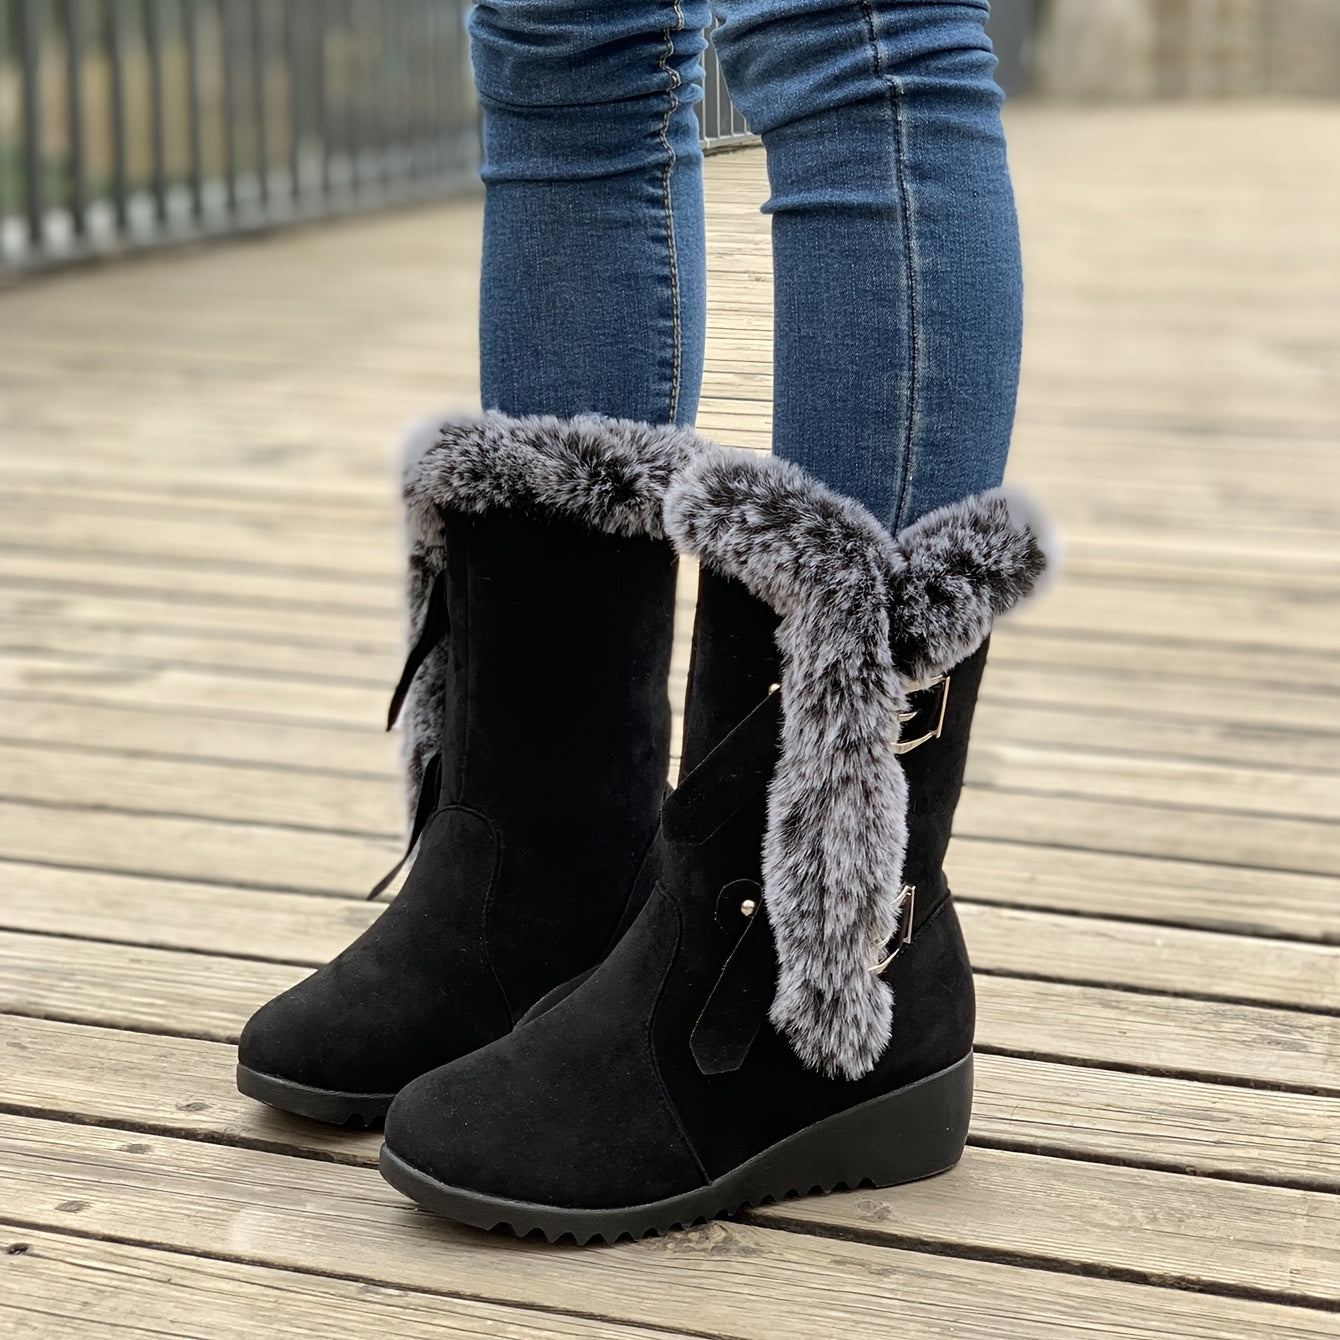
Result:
895,245
592,292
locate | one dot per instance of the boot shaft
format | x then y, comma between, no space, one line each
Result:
554,730
555,705
735,667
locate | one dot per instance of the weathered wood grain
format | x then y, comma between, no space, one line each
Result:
1285,1242
146,729
258,1207
1108,883
302,929
199,593
184,1086
292,928
212,996
220,853
59,1287
1052,1210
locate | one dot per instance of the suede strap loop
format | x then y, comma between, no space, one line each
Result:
735,1010
731,775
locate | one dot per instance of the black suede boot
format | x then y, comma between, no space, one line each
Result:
538,732
793,1008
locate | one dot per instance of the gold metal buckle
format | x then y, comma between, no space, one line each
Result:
906,746
907,902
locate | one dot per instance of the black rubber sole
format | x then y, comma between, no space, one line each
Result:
332,1106
912,1133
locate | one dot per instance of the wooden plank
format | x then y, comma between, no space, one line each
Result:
359,553
184,687
1294,792
68,1288
45,576
1187,1231
291,928
212,996
1096,688
1050,781
1277,618
744,362
1102,952
367,807
198,729
184,1086
232,854
1190,564
35,631
364,749
196,649
36,479
304,1215
371,626
1279,1240
1287,1139
1302,846
152,1082
126,986
296,544
1159,1034
1080,666
309,631
1205,894
148,729
1202,740
1185,660
301,929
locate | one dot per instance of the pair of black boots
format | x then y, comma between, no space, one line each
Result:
599,1008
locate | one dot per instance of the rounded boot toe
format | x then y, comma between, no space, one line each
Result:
308,1036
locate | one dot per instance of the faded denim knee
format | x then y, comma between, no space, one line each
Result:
785,60
577,91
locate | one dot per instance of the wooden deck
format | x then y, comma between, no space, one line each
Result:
200,628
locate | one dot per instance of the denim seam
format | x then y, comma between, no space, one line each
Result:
664,135
895,97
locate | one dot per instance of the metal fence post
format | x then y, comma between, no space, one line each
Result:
153,42
194,132
30,44
116,69
74,111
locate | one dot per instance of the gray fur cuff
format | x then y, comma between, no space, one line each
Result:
607,473
866,615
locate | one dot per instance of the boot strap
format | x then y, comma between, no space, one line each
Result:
423,811
728,778
907,906
734,1012
436,623
937,705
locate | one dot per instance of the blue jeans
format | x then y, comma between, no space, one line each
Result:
895,246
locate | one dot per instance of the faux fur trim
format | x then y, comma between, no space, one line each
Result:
608,473
865,617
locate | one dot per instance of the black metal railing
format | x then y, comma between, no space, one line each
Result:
126,122
719,120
